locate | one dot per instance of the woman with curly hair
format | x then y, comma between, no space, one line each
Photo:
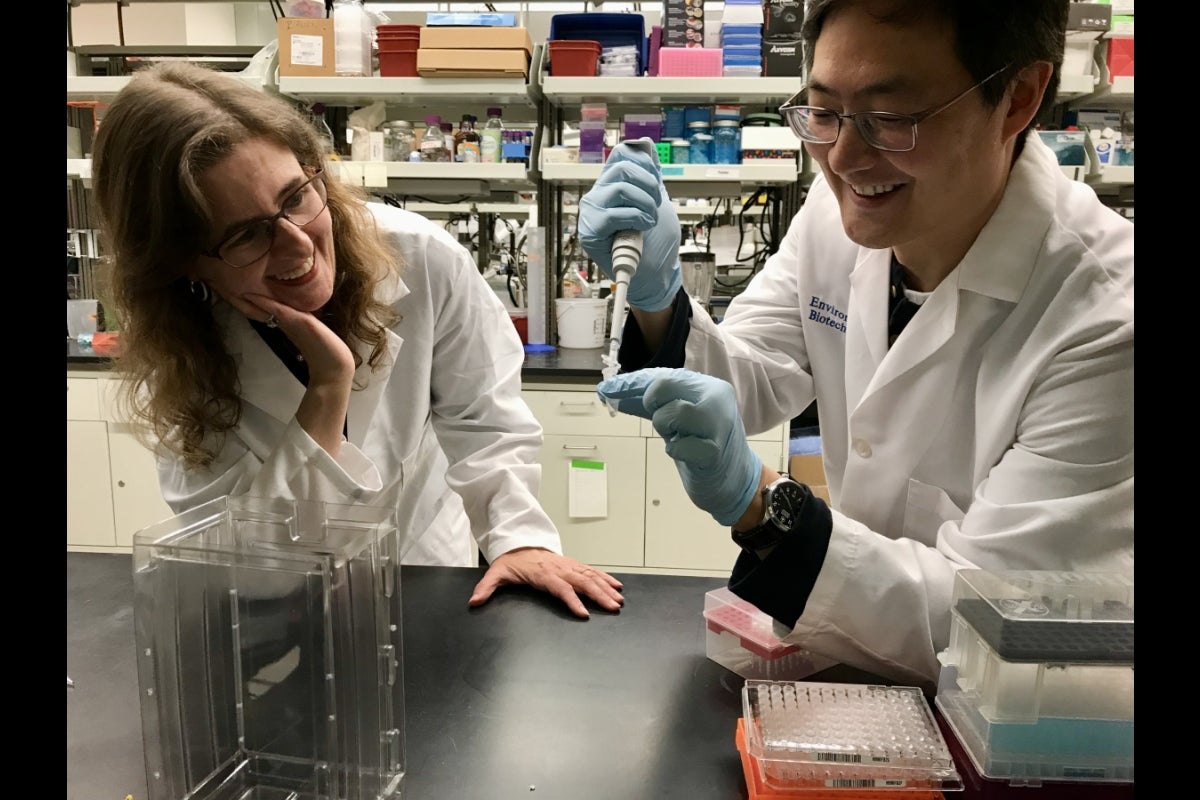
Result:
284,337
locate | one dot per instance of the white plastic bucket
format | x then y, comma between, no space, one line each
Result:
81,318
581,321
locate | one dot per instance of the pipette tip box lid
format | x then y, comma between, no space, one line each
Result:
741,638
1049,615
862,736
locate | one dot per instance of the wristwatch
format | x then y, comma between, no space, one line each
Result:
783,499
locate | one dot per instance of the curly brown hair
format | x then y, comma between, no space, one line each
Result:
170,124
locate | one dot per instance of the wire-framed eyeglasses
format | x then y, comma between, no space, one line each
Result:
254,240
883,130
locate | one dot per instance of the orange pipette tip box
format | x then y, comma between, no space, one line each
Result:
757,790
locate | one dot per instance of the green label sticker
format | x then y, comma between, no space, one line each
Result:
577,463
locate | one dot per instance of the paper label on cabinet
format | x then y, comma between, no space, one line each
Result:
587,489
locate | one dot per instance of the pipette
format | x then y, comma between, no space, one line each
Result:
626,253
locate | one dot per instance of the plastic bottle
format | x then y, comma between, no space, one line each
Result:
491,139
351,38
448,140
433,143
466,141
318,117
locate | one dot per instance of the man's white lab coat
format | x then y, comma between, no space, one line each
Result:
997,431
441,432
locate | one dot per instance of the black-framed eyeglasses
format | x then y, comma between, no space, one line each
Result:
254,240
883,130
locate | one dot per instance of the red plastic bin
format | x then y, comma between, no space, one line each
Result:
574,57
398,64
397,45
389,28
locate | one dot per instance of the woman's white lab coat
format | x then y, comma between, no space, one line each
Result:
441,432
997,431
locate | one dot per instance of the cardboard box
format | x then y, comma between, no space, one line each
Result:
482,38
782,19
472,63
305,47
782,58
807,469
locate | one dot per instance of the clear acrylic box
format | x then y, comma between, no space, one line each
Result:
269,652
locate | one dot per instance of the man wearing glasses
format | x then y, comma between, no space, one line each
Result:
961,312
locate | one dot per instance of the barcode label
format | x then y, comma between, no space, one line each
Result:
851,758
864,783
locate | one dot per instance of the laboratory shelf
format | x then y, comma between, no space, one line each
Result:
439,209
103,88
95,88
563,91
1113,93
79,168
421,178
363,91
755,174
1071,87
1117,95
1112,175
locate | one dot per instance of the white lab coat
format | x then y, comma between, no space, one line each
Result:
441,432
997,432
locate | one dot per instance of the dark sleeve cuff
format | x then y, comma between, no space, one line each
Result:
780,584
634,354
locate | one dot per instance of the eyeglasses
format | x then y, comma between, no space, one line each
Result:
253,241
883,130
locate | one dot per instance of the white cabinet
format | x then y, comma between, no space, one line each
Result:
89,494
615,539
112,483
649,524
136,499
680,536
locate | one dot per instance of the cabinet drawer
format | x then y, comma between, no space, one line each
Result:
83,399
615,539
578,413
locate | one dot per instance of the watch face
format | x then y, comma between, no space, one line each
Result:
786,501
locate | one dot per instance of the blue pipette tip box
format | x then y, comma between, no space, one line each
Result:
539,348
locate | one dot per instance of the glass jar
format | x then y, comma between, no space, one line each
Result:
725,142
398,139
700,151
679,151
700,139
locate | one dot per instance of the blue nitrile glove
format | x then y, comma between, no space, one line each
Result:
698,417
630,195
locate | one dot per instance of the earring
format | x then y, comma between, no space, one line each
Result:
199,290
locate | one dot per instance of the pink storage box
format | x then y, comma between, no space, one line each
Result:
689,62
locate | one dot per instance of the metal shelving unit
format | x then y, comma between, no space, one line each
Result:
545,102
